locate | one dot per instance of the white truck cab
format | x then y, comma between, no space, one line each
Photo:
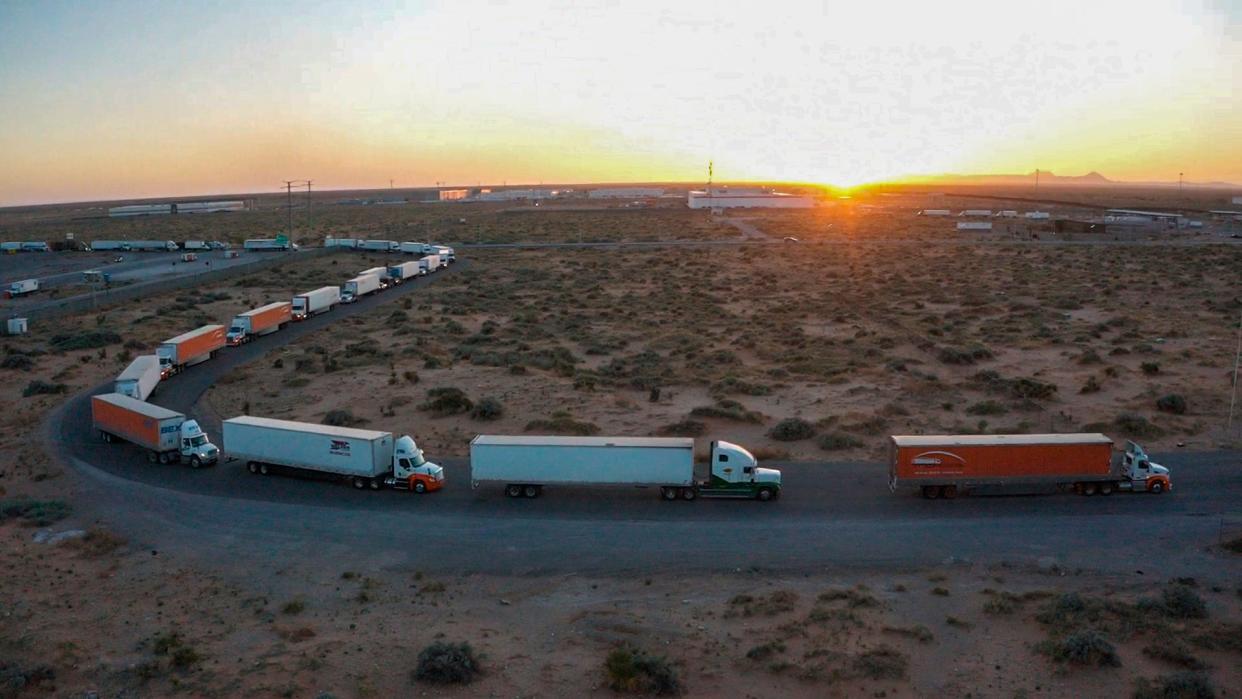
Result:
736,469
195,447
410,471
1142,472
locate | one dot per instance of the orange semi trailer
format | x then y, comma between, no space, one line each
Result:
949,465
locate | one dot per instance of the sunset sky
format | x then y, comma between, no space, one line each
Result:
105,100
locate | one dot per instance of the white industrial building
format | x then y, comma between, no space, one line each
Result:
625,192
982,213
935,212
516,194
1170,220
188,207
1038,215
1237,200
738,199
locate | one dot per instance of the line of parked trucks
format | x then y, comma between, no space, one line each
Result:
170,437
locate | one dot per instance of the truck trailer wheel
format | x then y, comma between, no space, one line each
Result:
668,493
152,457
1106,489
373,483
263,469
931,492
1088,489
513,490
359,483
105,437
531,491
252,467
949,492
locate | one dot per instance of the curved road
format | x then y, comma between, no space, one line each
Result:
830,515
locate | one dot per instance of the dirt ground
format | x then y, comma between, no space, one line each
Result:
860,341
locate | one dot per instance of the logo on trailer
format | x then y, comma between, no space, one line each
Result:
933,458
339,447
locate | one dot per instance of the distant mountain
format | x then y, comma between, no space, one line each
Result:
1047,178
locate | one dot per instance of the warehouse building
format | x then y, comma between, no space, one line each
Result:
974,225
454,194
516,194
1134,216
745,199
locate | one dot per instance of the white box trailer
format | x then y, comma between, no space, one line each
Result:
265,245
25,286
412,248
139,378
366,458
312,303
525,464
102,245
196,245
381,272
429,264
359,286
446,254
379,245
348,243
406,270
35,246
153,245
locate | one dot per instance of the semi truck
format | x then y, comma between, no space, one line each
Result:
348,243
405,270
263,320
266,244
313,303
945,466
411,248
429,264
104,245
153,245
195,245
168,436
23,287
379,245
523,465
364,458
139,378
446,253
381,272
359,286
188,349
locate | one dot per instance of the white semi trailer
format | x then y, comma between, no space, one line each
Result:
365,458
525,464
359,286
25,286
429,264
139,378
406,270
312,303
153,245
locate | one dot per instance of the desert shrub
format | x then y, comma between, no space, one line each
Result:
685,428
447,663
18,362
963,356
562,423
1234,545
446,400
1089,357
294,606
1172,403
1181,602
779,602
634,671
1088,647
97,542
1175,652
40,513
920,633
987,407
40,387
341,418
792,429
1179,685
92,339
836,441
765,650
853,597
882,663
732,384
727,410
1091,386
1136,425
1024,387
1150,368
487,409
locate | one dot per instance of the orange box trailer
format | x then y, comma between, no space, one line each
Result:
260,321
144,424
190,348
947,465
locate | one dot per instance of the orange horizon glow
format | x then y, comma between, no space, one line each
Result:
118,102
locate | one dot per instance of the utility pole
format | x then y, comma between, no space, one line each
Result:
308,204
1179,183
1037,180
289,207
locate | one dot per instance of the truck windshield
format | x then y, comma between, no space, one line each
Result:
198,441
418,459
235,330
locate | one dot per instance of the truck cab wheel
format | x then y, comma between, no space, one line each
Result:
195,462
420,487
764,494
513,491
688,494
1157,488
531,491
